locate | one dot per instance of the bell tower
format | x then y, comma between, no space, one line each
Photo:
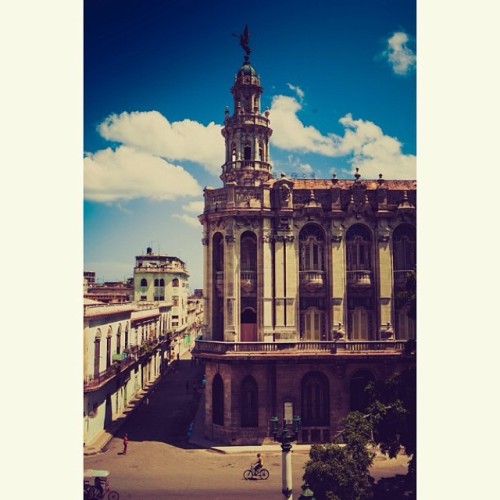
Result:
246,131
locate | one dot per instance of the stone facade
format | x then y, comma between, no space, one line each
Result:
304,284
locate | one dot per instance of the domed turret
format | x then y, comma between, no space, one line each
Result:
246,132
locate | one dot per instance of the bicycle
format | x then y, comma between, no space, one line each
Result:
92,491
251,473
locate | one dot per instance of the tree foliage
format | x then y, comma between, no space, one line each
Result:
338,471
393,414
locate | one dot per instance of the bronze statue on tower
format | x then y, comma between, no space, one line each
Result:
244,40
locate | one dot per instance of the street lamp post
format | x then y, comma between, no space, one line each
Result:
288,434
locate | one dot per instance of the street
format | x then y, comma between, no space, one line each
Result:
160,463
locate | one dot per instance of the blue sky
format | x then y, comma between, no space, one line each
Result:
339,79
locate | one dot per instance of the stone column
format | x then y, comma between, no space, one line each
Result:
385,274
337,282
231,284
264,291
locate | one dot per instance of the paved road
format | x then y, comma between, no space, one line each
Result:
160,463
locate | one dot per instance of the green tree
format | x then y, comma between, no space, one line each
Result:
393,414
339,470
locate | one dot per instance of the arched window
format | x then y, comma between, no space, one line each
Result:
358,240
162,282
97,353
312,324
249,403
315,400
360,323
357,390
218,400
144,282
108,347
312,251
175,282
118,339
248,257
404,247
157,282
126,336
247,152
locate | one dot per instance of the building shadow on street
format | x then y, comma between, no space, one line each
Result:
167,412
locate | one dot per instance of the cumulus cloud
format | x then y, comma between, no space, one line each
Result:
373,152
125,174
297,90
152,133
363,143
400,57
188,219
290,133
195,207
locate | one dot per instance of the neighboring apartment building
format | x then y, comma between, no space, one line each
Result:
304,286
160,277
110,292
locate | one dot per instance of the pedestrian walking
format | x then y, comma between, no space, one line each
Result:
125,444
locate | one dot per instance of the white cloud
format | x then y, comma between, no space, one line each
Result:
188,219
125,173
375,153
363,143
195,207
401,58
291,134
152,133
297,90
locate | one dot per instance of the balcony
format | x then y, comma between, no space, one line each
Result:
312,281
360,278
121,362
298,348
400,278
248,281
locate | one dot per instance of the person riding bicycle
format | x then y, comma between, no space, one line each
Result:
100,483
259,464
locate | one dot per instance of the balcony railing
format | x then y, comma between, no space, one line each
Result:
217,347
248,281
400,278
133,353
359,278
312,280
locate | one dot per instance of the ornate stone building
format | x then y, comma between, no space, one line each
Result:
303,284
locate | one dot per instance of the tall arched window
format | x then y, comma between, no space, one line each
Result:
157,282
118,339
97,353
126,337
218,400
357,390
249,403
144,282
315,400
218,287
359,256
162,282
312,252
248,254
108,347
313,326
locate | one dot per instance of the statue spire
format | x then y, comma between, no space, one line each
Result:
244,41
